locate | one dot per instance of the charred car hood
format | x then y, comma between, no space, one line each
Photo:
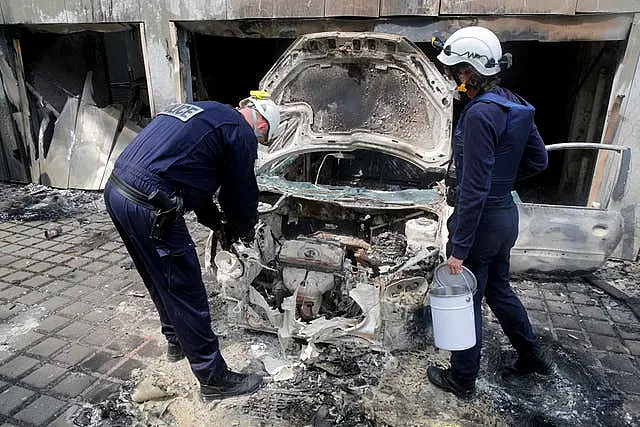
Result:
348,90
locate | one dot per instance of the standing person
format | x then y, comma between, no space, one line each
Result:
495,143
174,165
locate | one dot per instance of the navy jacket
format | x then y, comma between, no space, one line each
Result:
195,149
496,142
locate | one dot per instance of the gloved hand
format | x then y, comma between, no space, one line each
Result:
209,217
230,234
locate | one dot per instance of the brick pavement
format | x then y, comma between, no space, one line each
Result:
74,324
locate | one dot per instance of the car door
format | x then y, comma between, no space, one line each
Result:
566,234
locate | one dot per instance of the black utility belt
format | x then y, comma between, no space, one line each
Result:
167,207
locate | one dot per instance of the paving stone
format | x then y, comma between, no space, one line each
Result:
55,302
45,255
111,246
40,410
607,343
101,362
96,266
118,285
7,260
581,298
76,330
62,247
68,418
125,343
37,281
47,347
96,254
633,346
98,315
8,309
572,339
74,383
32,298
622,316
152,349
74,354
5,271
39,267
20,342
124,371
13,292
554,295
103,390
18,276
12,398
79,276
75,309
26,252
533,303
44,375
59,271
12,248
591,311
17,367
98,337
617,362
559,307
598,327
56,286
565,321
625,382
51,323
76,291
44,244
29,241
76,263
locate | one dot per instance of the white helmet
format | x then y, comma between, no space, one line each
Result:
261,101
477,46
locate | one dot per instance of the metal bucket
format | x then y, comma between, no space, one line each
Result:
454,326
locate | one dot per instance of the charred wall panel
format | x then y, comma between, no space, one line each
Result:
239,9
352,8
608,6
488,7
409,7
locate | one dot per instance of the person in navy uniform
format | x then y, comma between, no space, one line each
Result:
495,143
187,153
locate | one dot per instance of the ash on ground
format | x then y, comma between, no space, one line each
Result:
33,202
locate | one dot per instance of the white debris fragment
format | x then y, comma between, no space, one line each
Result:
146,390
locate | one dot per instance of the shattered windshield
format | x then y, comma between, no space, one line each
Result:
363,95
369,169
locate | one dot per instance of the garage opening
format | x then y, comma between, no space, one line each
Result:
76,96
225,69
569,84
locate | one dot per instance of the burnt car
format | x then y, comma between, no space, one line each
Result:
352,206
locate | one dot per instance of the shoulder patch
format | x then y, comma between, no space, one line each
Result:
182,111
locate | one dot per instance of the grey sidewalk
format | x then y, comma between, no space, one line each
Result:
75,321
74,316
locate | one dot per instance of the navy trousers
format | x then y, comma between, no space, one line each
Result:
488,259
172,276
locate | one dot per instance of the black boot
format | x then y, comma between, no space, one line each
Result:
230,384
538,362
444,379
174,352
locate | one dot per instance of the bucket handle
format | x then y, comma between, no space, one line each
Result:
466,282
